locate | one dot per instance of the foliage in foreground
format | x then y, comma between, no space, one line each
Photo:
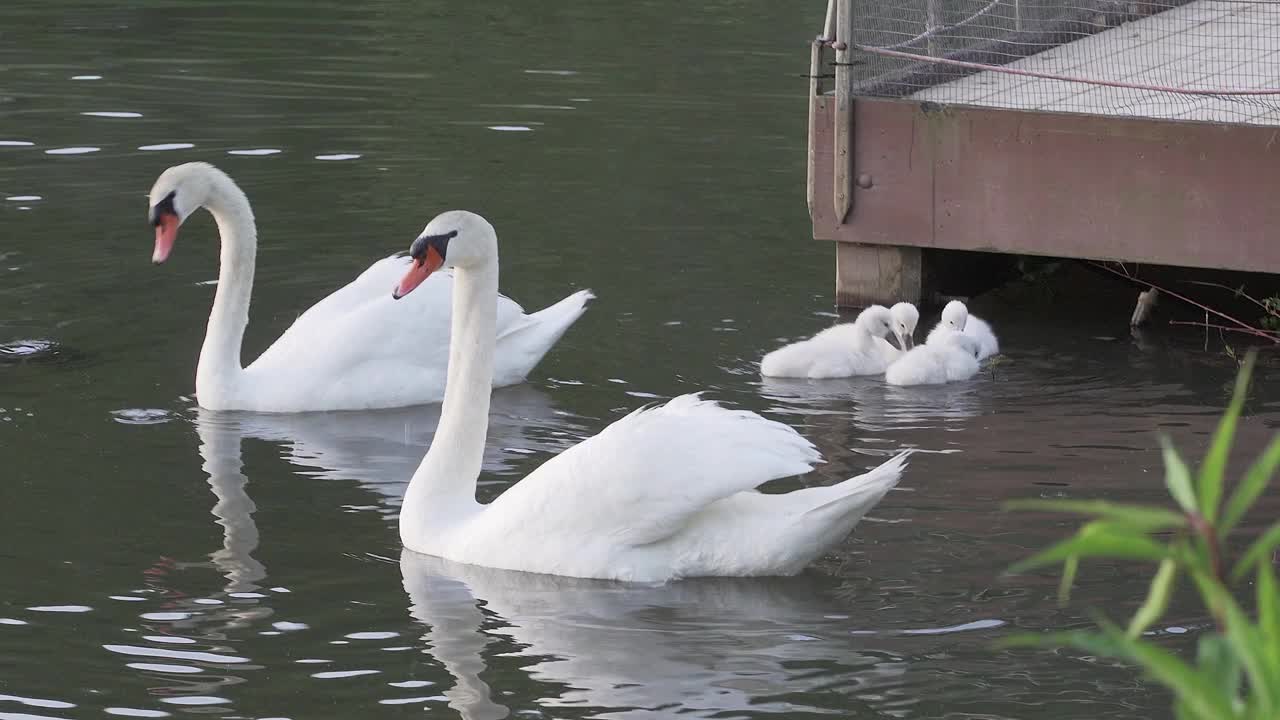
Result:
1236,673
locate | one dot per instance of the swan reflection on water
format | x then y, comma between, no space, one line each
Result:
705,645
869,405
381,449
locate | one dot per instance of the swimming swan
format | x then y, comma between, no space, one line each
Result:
664,493
956,317
947,356
856,348
354,349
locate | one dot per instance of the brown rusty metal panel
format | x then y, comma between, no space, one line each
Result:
886,154
1175,193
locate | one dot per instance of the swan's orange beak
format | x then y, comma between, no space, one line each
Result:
166,233
419,271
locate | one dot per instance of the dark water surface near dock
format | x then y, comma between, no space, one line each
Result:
163,561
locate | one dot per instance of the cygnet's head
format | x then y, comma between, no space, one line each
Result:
954,316
178,192
904,317
455,238
877,320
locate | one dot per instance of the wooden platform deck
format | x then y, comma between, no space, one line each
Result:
1205,44
994,162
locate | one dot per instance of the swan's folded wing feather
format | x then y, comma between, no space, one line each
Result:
360,322
647,475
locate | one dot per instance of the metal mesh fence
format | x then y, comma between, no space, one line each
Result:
1212,60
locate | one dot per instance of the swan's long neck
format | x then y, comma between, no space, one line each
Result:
220,369
444,487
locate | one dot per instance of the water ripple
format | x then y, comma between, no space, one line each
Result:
142,416
196,700
174,654
166,668
331,674
167,146
37,702
372,635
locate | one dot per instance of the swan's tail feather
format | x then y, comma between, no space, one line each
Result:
534,337
859,494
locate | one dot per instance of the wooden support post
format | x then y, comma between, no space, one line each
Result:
817,103
843,142
815,69
871,274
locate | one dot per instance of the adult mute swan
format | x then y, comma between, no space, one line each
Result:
956,318
947,356
666,492
856,348
350,351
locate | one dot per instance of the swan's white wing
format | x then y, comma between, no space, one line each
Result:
647,475
361,323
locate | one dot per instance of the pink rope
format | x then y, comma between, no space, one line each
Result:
1064,78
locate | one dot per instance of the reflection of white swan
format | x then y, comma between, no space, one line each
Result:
220,448
723,645
666,492
859,406
381,449
355,349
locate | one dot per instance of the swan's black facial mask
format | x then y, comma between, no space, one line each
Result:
439,243
428,253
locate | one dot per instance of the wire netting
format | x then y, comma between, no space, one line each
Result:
1212,60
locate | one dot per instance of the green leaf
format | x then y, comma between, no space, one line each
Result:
1157,598
1177,477
1141,517
1098,539
1246,643
1069,569
1254,482
1213,469
1269,621
1259,551
1218,663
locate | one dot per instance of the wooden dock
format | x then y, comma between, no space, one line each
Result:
1116,168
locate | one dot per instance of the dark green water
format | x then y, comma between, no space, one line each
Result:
159,560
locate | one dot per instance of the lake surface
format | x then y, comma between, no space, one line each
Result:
160,561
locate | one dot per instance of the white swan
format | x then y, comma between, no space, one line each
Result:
956,317
664,493
947,356
357,348
856,348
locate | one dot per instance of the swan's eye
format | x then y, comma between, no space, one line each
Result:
439,243
164,207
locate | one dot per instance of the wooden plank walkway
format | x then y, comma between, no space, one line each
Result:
1204,44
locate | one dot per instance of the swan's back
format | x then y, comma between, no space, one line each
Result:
838,351
616,505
